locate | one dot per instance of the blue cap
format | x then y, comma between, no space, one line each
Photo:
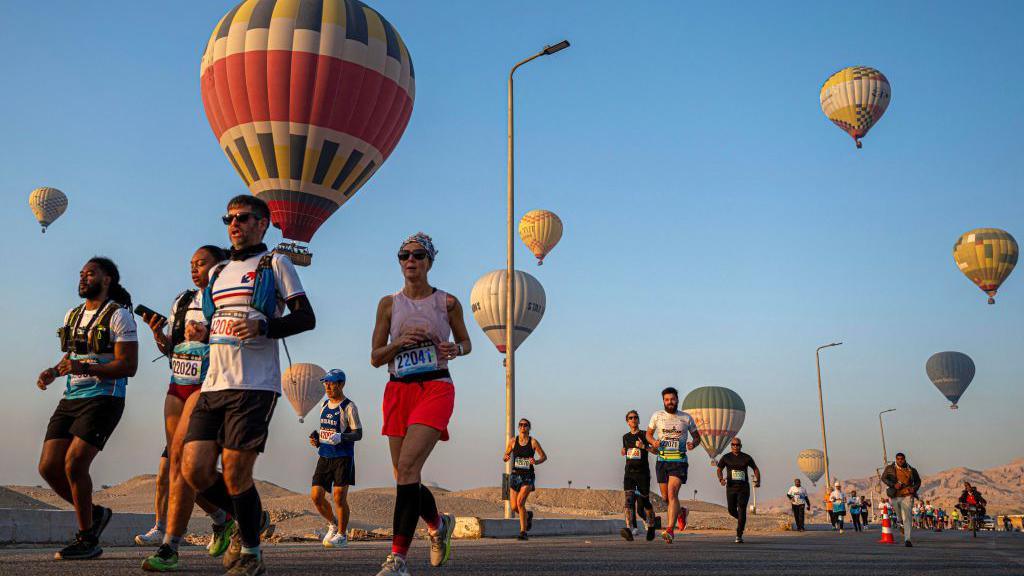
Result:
335,375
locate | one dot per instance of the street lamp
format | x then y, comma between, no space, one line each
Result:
885,456
821,411
510,374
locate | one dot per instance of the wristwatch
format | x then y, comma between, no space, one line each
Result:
461,351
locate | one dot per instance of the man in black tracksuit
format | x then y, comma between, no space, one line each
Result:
737,487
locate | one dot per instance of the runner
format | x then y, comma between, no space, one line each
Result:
838,499
525,453
186,344
855,504
865,511
636,483
798,498
101,349
420,396
335,469
737,486
672,427
244,302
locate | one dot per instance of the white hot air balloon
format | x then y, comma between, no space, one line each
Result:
812,463
301,384
487,300
47,205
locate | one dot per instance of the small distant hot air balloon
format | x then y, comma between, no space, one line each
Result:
951,373
540,230
47,204
719,414
855,98
986,256
812,463
487,301
301,384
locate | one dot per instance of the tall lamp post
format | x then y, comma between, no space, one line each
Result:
510,374
885,455
821,411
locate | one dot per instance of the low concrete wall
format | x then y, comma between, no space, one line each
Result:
472,527
59,526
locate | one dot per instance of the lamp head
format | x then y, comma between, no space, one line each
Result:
548,50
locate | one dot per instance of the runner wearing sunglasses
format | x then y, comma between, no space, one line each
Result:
636,483
737,487
411,336
525,452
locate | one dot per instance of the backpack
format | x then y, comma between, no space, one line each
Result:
264,289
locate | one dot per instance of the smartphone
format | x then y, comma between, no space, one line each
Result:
144,311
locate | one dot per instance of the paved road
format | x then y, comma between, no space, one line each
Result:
812,553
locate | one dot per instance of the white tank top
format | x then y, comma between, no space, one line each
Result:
430,313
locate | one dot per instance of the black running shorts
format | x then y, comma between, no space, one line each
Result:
331,472
91,419
665,468
235,419
639,481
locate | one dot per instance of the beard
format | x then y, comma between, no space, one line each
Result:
89,291
670,408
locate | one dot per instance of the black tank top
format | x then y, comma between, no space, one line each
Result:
522,456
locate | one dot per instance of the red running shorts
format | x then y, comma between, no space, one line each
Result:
429,403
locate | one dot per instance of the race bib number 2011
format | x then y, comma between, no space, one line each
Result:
416,360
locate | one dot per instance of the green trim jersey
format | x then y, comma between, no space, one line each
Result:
672,432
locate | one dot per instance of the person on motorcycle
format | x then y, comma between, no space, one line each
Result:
971,497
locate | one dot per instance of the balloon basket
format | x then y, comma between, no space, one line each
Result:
297,253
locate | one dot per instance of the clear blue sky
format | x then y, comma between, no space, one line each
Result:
718,227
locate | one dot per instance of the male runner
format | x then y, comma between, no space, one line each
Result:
671,428
335,469
801,503
245,302
636,483
101,352
737,487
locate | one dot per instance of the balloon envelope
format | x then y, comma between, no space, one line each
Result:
951,373
47,205
855,98
986,256
487,301
301,384
812,463
719,414
307,98
540,230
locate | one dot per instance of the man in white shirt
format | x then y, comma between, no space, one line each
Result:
797,495
668,430
245,302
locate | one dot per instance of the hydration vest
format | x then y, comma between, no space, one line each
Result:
185,299
264,289
95,337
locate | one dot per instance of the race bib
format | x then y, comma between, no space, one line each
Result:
416,360
221,332
325,434
738,475
187,369
522,463
83,379
632,453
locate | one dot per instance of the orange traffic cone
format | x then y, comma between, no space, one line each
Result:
886,531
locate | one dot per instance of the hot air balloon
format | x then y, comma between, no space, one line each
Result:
812,463
47,204
301,384
718,413
540,230
855,98
986,256
487,301
951,373
307,98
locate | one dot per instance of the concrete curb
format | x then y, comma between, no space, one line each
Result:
472,527
59,526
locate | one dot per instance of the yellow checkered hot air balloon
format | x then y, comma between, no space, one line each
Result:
540,230
855,98
986,256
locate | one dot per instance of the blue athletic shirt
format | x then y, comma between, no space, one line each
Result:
331,422
122,329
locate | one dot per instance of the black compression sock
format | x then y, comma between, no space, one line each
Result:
248,514
428,508
407,509
217,494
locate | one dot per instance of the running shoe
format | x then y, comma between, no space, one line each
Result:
234,551
221,538
339,540
681,520
154,537
739,539
100,518
248,565
83,547
332,530
441,543
627,534
394,565
165,560
908,544
667,536
529,520
650,531
522,536
840,530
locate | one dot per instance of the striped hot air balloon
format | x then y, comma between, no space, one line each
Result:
487,300
855,99
986,256
951,373
307,98
540,230
812,463
301,384
47,205
719,414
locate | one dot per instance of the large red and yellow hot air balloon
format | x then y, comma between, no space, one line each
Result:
307,98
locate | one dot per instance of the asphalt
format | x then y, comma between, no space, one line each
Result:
711,554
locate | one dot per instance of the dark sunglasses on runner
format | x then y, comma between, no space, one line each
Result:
632,417
242,218
404,255
524,425
735,444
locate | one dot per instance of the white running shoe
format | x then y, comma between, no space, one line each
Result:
332,530
636,531
339,540
393,565
154,537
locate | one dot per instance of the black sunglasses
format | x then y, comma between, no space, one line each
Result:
524,425
404,255
632,417
242,218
